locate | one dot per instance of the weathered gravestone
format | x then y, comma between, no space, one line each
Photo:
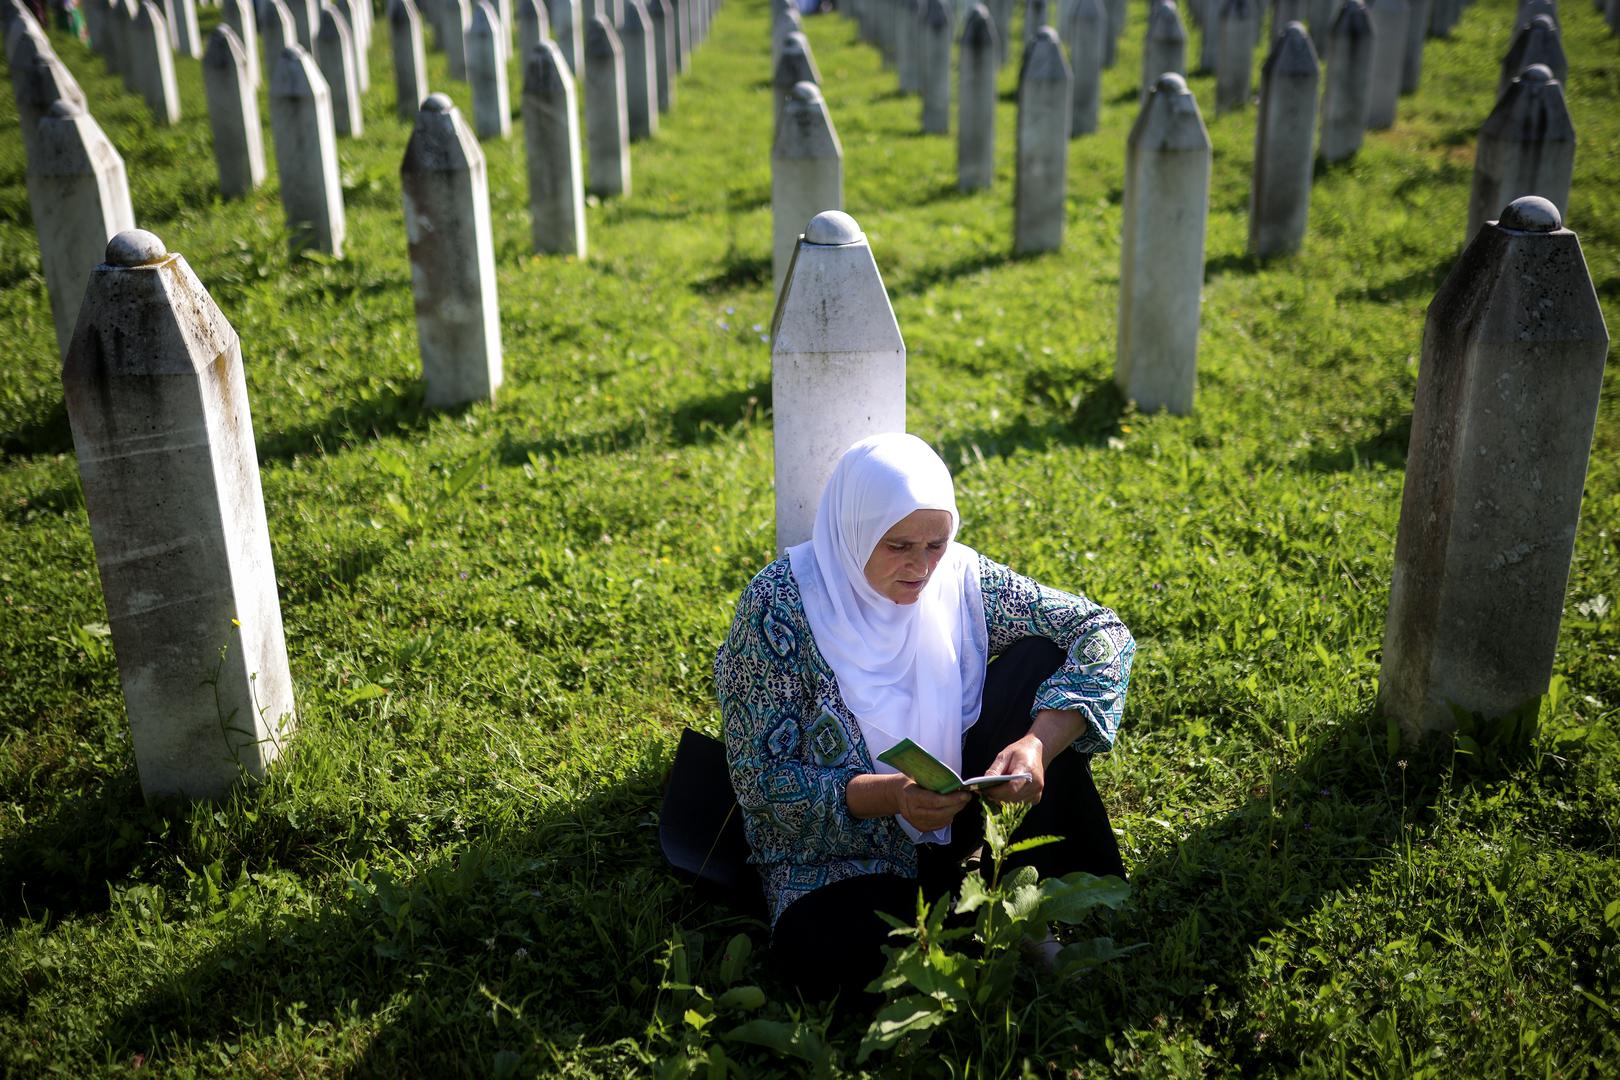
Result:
838,365
1037,13
184,37
533,25
607,119
551,138
486,71
680,33
306,17
1349,82
1239,25
796,65
1045,92
640,71
410,60
238,15
784,21
1502,424
1526,147
334,55
1417,32
446,195
1537,42
164,437
306,153
1388,20
1284,145
233,114
456,15
661,33
807,173
1529,9
38,81
976,124
79,196
907,54
935,68
1116,27
568,31
1165,48
1087,33
1001,11
277,30
1284,12
154,65
1167,167
357,17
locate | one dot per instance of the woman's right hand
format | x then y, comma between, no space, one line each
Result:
927,810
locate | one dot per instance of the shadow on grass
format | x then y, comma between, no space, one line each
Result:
695,422
1233,263
926,277
44,434
1094,418
392,412
736,271
1421,282
1387,449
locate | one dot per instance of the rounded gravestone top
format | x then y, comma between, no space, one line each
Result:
1048,33
1537,73
135,247
806,92
1544,22
63,109
1531,213
1170,83
833,228
437,103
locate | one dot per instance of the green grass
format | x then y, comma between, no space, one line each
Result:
461,874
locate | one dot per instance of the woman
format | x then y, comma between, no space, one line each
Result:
880,628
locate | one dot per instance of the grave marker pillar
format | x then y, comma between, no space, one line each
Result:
1284,143
1045,93
233,114
306,153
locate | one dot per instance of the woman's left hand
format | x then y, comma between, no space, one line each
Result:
1026,755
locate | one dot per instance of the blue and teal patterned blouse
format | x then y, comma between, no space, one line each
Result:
793,745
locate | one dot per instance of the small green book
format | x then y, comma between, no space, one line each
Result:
933,773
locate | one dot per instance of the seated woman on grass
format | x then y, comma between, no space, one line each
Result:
882,628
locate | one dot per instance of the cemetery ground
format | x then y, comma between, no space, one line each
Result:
499,619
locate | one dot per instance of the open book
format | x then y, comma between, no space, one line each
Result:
933,773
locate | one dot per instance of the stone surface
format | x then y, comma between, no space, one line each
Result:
1284,144
907,54
1526,147
277,30
164,437
410,59
1417,32
533,25
153,60
233,114
807,173
1001,12
1502,423
1037,13
446,193
785,20
1388,20
38,81
334,55
935,67
607,119
1045,93
457,14
1165,48
357,17
239,16
796,64
568,31
78,194
838,366
306,153
306,17
1086,30
1167,169
1284,12
680,34
184,37
976,123
486,72
1349,83
1116,27
551,139
1537,42
640,71
1238,29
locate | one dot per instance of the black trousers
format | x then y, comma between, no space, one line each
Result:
830,941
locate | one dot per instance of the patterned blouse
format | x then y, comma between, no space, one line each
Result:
793,745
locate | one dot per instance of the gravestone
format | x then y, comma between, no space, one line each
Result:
1284,12
78,193
446,194
807,173
1001,11
306,153
1417,32
504,9
607,119
486,71
1116,27
38,81
1165,48
838,365
680,34
1349,82
1526,147
1045,93
784,21
457,14
238,15
1167,167
568,31
1529,9
797,64
640,70
306,17
357,14
184,37
1536,43
233,114
1208,17
334,55
1388,19
907,50
1037,13
976,124
277,29
533,25
154,64
129,17
1502,424
1087,24
164,437
551,138
1239,26
410,60
935,69
1284,143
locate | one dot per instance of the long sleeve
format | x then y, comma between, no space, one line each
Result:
1094,677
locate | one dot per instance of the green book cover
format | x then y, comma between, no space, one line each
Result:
921,766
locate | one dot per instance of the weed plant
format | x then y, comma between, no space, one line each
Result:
500,618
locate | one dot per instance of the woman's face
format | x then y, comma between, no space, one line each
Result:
905,558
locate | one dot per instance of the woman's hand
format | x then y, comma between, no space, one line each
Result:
1026,755
873,795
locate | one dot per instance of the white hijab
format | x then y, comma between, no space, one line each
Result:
907,671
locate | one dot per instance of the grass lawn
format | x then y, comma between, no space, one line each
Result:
500,619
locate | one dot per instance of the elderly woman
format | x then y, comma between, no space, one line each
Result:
882,628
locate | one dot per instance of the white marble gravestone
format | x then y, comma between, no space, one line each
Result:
568,30
233,114
976,124
239,16
935,68
1349,82
1086,30
1537,42
306,153
640,71
807,173
1045,95
1238,28
607,119
1165,48
334,55
154,65
410,59
551,139
1526,147
1388,20
486,71
1284,145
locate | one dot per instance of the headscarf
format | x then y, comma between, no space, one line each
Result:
906,671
